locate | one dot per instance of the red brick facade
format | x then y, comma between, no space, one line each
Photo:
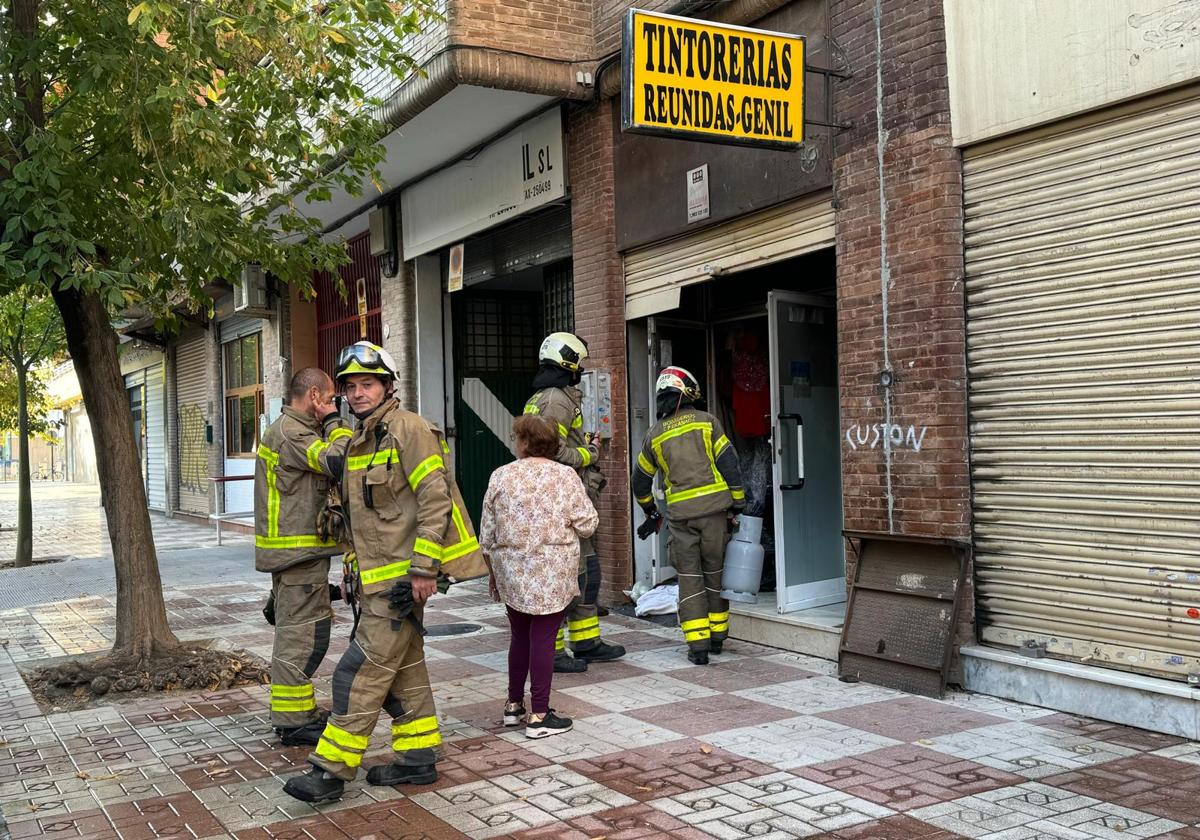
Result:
600,318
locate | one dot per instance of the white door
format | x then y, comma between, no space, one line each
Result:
806,454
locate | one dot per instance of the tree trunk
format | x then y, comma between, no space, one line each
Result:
24,502
142,627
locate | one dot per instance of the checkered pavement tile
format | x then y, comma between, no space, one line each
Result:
668,769
595,736
639,692
775,806
1026,749
797,742
1154,784
1033,809
907,777
526,799
1112,733
910,718
998,706
708,714
818,694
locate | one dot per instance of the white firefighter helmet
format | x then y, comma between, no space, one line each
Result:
365,357
563,349
678,379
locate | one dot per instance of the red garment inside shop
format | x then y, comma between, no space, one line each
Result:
751,387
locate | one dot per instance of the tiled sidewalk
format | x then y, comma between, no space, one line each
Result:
764,744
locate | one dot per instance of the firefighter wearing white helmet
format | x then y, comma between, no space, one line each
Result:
408,525
559,400
703,484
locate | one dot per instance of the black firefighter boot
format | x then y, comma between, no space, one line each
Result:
316,786
387,775
698,657
602,651
308,735
564,663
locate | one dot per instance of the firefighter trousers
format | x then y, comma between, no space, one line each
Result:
696,548
582,622
302,621
382,670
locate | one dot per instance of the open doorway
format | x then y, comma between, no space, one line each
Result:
764,343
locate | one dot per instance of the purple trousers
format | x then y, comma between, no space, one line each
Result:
531,654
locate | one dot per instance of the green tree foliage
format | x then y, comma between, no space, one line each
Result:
149,149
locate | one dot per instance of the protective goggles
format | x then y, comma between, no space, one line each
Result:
366,356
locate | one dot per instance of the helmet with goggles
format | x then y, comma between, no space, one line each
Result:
563,349
365,357
678,379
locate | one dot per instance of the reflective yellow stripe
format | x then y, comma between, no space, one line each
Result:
584,629
306,541
466,543
270,460
306,704
719,622
531,408
404,743
738,494
577,423
585,454
462,549
684,495
417,726
419,734
657,444
721,446
339,433
694,624
391,570
328,751
429,549
279,690
362,462
562,430
645,500
697,635
268,455
430,464
721,616
342,738
583,623
560,643
314,454
645,466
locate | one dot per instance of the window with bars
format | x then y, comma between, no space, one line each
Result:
501,334
559,297
243,394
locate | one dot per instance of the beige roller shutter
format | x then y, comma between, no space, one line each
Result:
195,405
655,274
1083,305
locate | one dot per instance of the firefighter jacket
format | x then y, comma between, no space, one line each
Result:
699,466
292,471
399,500
561,406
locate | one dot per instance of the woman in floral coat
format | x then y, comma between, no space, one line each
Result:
534,514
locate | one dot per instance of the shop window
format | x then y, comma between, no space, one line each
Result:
243,394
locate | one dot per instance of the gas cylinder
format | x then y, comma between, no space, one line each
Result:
743,561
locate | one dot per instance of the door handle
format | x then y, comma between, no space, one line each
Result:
798,480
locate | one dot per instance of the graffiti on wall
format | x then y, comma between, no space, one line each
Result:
193,448
889,436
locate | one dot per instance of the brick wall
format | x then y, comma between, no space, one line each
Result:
600,318
900,489
559,29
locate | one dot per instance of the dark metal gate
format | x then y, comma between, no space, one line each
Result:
339,321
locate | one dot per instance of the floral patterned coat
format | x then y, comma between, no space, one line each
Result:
534,513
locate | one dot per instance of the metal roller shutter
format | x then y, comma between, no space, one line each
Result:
655,274
1083,307
156,438
194,414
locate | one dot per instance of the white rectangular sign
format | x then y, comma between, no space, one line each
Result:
697,194
523,170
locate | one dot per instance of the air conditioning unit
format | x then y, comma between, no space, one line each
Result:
250,292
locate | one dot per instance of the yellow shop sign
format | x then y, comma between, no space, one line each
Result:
705,81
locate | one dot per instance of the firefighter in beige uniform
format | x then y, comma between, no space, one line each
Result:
703,483
297,455
560,365
407,524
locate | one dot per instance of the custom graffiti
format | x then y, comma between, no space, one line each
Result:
193,448
890,436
